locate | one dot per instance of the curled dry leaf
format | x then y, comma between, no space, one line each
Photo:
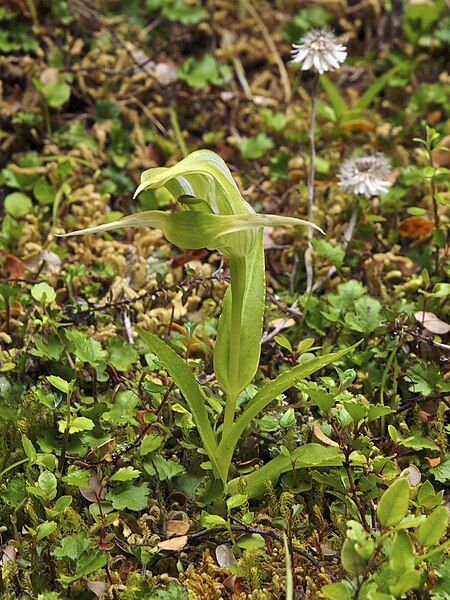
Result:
433,462
432,323
319,434
415,227
224,556
175,528
412,474
174,544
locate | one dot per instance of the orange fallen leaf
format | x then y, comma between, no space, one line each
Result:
415,227
434,462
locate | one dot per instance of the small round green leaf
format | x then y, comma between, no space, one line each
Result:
18,204
44,293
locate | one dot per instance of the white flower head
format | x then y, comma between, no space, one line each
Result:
365,175
319,49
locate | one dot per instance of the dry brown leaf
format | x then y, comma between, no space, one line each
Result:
174,544
327,550
98,588
286,323
322,437
432,323
441,158
95,491
225,556
415,227
174,527
434,462
14,266
7,554
52,262
412,474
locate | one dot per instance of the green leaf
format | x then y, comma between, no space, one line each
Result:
335,254
44,191
77,477
56,93
172,591
375,88
129,497
125,474
88,563
251,541
407,581
236,500
29,449
308,455
123,411
150,443
199,72
433,528
337,591
442,471
73,546
268,393
256,146
335,97
402,553
121,354
351,560
17,204
208,520
394,503
166,469
48,484
76,425
282,341
85,348
189,387
42,292
366,316
60,384
45,529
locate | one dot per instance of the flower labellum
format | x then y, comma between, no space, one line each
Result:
319,49
365,175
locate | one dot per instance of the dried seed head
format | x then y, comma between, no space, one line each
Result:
365,175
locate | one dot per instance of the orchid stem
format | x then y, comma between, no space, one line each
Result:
237,272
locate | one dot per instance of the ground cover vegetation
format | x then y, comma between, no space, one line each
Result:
224,315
